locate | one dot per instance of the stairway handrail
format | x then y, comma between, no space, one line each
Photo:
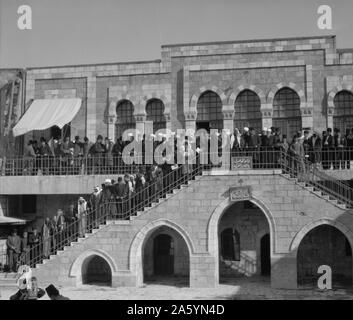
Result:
312,175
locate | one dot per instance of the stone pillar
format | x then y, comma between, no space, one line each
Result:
307,118
330,113
284,271
202,271
190,120
228,116
168,122
266,118
111,120
140,122
91,124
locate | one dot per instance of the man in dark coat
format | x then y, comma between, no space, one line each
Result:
54,293
327,149
122,194
13,244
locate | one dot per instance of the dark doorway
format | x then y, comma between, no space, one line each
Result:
163,255
96,270
324,245
203,125
265,255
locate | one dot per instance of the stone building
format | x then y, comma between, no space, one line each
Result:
200,232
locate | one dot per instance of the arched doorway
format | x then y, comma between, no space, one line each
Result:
163,255
209,111
286,112
243,250
96,271
324,245
166,258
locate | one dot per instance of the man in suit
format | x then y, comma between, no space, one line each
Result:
13,244
315,148
327,149
122,192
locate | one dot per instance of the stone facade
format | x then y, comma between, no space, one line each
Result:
195,212
313,67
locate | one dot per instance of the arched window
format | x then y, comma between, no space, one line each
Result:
247,111
230,245
343,114
209,111
155,113
286,112
125,117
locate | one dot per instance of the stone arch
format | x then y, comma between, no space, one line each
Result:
212,229
76,267
135,254
155,95
195,97
312,225
334,91
281,85
114,102
237,91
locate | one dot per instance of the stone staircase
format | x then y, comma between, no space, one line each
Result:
315,190
90,238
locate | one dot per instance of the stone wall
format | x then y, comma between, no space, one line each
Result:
194,212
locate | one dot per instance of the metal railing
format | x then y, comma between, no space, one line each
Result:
334,158
308,173
47,165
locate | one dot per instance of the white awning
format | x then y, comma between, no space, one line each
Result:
45,113
9,220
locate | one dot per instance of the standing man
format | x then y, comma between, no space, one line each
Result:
327,148
13,249
315,148
94,206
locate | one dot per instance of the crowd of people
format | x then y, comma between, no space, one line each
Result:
329,150
113,199
62,156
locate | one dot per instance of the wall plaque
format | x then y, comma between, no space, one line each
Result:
240,193
241,163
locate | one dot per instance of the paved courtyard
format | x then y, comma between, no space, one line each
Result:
239,289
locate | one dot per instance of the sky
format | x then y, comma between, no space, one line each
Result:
69,32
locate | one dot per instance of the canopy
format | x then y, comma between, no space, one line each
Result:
45,113
9,220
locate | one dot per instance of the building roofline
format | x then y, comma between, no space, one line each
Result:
247,41
96,64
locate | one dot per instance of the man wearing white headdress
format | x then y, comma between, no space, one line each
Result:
82,216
